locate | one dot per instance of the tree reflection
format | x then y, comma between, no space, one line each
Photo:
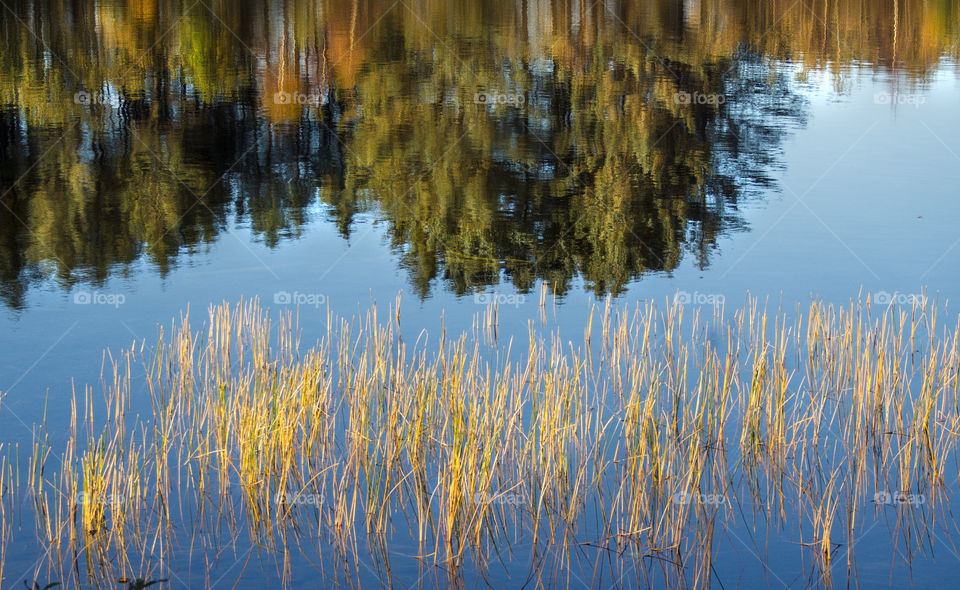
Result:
145,128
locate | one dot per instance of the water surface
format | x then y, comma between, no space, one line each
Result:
160,155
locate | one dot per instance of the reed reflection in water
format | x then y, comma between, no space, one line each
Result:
637,456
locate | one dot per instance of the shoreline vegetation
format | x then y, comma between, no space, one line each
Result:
627,456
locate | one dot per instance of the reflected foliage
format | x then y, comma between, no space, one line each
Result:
146,129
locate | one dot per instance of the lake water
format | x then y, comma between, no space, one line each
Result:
164,155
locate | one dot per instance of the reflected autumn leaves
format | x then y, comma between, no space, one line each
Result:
279,114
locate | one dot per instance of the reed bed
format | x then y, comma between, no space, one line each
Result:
624,457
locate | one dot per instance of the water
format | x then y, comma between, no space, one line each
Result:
162,155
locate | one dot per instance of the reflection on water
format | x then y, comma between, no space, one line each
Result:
540,140
561,142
